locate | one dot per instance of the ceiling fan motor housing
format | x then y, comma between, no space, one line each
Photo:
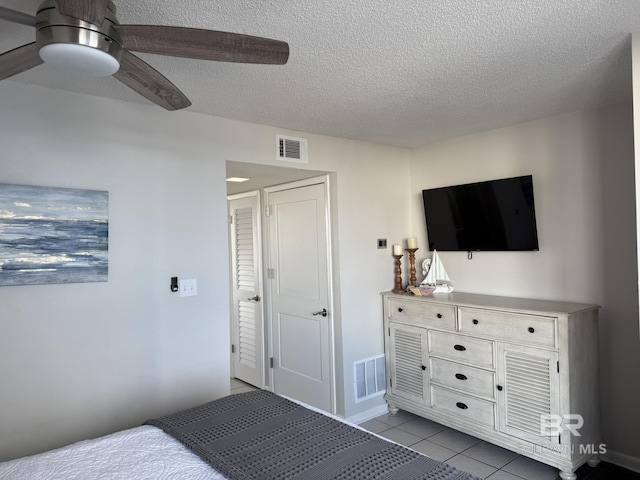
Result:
55,28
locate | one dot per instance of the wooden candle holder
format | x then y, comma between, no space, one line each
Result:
398,279
412,265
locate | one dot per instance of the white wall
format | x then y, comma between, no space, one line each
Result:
583,175
373,202
81,360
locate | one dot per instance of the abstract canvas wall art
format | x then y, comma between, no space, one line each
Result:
53,235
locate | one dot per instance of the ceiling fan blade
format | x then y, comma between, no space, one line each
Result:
19,60
138,75
17,17
91,11
203,44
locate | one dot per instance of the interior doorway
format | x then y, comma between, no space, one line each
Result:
282,327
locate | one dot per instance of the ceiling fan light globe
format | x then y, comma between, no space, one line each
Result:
79,59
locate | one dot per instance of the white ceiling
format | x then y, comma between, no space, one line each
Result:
398,72
261,176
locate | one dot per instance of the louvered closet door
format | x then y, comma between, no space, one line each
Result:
530,390
408,349
247,329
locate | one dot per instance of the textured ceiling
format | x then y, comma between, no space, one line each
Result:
401,72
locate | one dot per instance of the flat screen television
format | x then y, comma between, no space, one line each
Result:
496,215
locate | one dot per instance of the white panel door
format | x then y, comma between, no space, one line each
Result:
247,325
299,288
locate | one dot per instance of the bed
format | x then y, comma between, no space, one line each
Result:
254,435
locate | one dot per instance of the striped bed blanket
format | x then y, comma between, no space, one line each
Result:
260,435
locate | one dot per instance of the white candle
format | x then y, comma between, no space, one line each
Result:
412,242
397,249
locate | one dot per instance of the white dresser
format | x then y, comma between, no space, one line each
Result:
519,373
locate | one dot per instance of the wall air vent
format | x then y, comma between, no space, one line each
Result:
291,149
369,378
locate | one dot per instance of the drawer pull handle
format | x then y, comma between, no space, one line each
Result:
475,321
531,329
423,367
439,315
460,376
461,405
499,387
400,309
460,348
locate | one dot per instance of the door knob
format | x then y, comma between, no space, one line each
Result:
323,312
256,298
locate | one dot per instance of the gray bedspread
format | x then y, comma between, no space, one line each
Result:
259,435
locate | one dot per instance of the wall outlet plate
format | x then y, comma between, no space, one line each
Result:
188,287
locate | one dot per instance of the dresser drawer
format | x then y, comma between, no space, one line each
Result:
461,348
422,313
462,377
466,406
506,326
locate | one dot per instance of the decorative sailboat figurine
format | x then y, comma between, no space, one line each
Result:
436,276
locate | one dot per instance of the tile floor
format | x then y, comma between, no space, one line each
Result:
463,451
475,456
238,386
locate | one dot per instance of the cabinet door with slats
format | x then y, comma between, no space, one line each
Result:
528,393
408,377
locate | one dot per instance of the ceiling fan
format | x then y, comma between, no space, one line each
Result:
85,36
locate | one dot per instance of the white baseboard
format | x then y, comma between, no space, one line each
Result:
622,460
368,414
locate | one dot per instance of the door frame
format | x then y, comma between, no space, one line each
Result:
333,313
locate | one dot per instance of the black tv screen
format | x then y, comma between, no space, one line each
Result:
497,215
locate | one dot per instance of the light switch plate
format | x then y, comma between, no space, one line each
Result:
188,287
